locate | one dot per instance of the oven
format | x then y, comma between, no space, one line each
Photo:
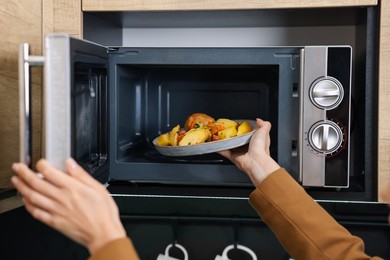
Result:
104,106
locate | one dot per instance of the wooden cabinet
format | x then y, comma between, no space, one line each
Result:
145,5
25,21
384,98
20,21
63,16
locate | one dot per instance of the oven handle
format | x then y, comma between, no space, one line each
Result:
25,127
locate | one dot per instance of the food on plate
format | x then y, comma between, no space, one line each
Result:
227,133
195,136
163,139
197,120
244,128
226,123
201,128
174,136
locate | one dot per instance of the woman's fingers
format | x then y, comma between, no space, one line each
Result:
76,171
31,196
265,126
61,180
225,153
52,174
37,212
34,182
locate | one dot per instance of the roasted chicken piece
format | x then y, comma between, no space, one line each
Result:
197,120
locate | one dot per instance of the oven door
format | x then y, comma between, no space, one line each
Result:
75,103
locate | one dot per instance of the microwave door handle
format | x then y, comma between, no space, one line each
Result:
25,132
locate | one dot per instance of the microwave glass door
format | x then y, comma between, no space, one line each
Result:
76,103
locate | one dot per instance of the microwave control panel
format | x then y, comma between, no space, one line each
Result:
325,116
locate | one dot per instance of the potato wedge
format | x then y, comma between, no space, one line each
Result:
195,136
163,139
174,135
244,128
227,133
226,123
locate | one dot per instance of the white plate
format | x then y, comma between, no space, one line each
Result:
209,147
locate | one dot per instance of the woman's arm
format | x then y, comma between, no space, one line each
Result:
302,226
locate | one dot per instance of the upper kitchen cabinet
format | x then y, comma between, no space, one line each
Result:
20,21
145,5
224,23
62,16
288,22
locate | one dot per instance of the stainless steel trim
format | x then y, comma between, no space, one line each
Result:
301,102
351,201
25,132
177,196
349,109
57,100
234,198
312,168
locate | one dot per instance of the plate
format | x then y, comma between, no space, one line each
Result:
209,147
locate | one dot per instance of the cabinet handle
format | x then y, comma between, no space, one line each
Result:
25,133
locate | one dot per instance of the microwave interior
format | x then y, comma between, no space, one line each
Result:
149,91
145,91
164,96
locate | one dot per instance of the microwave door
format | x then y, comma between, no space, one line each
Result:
75,103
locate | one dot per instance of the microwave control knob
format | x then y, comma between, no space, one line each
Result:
326,93
325,137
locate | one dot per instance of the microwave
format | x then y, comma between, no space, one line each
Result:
103,106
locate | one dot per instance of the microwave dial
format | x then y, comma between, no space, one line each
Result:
326,93
325,137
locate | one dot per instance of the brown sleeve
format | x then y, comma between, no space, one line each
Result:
119,249
303,227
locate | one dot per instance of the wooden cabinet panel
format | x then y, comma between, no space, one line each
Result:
20,21
384,98
61,16
160,5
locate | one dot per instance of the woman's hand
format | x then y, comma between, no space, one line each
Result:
73,203
255,159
